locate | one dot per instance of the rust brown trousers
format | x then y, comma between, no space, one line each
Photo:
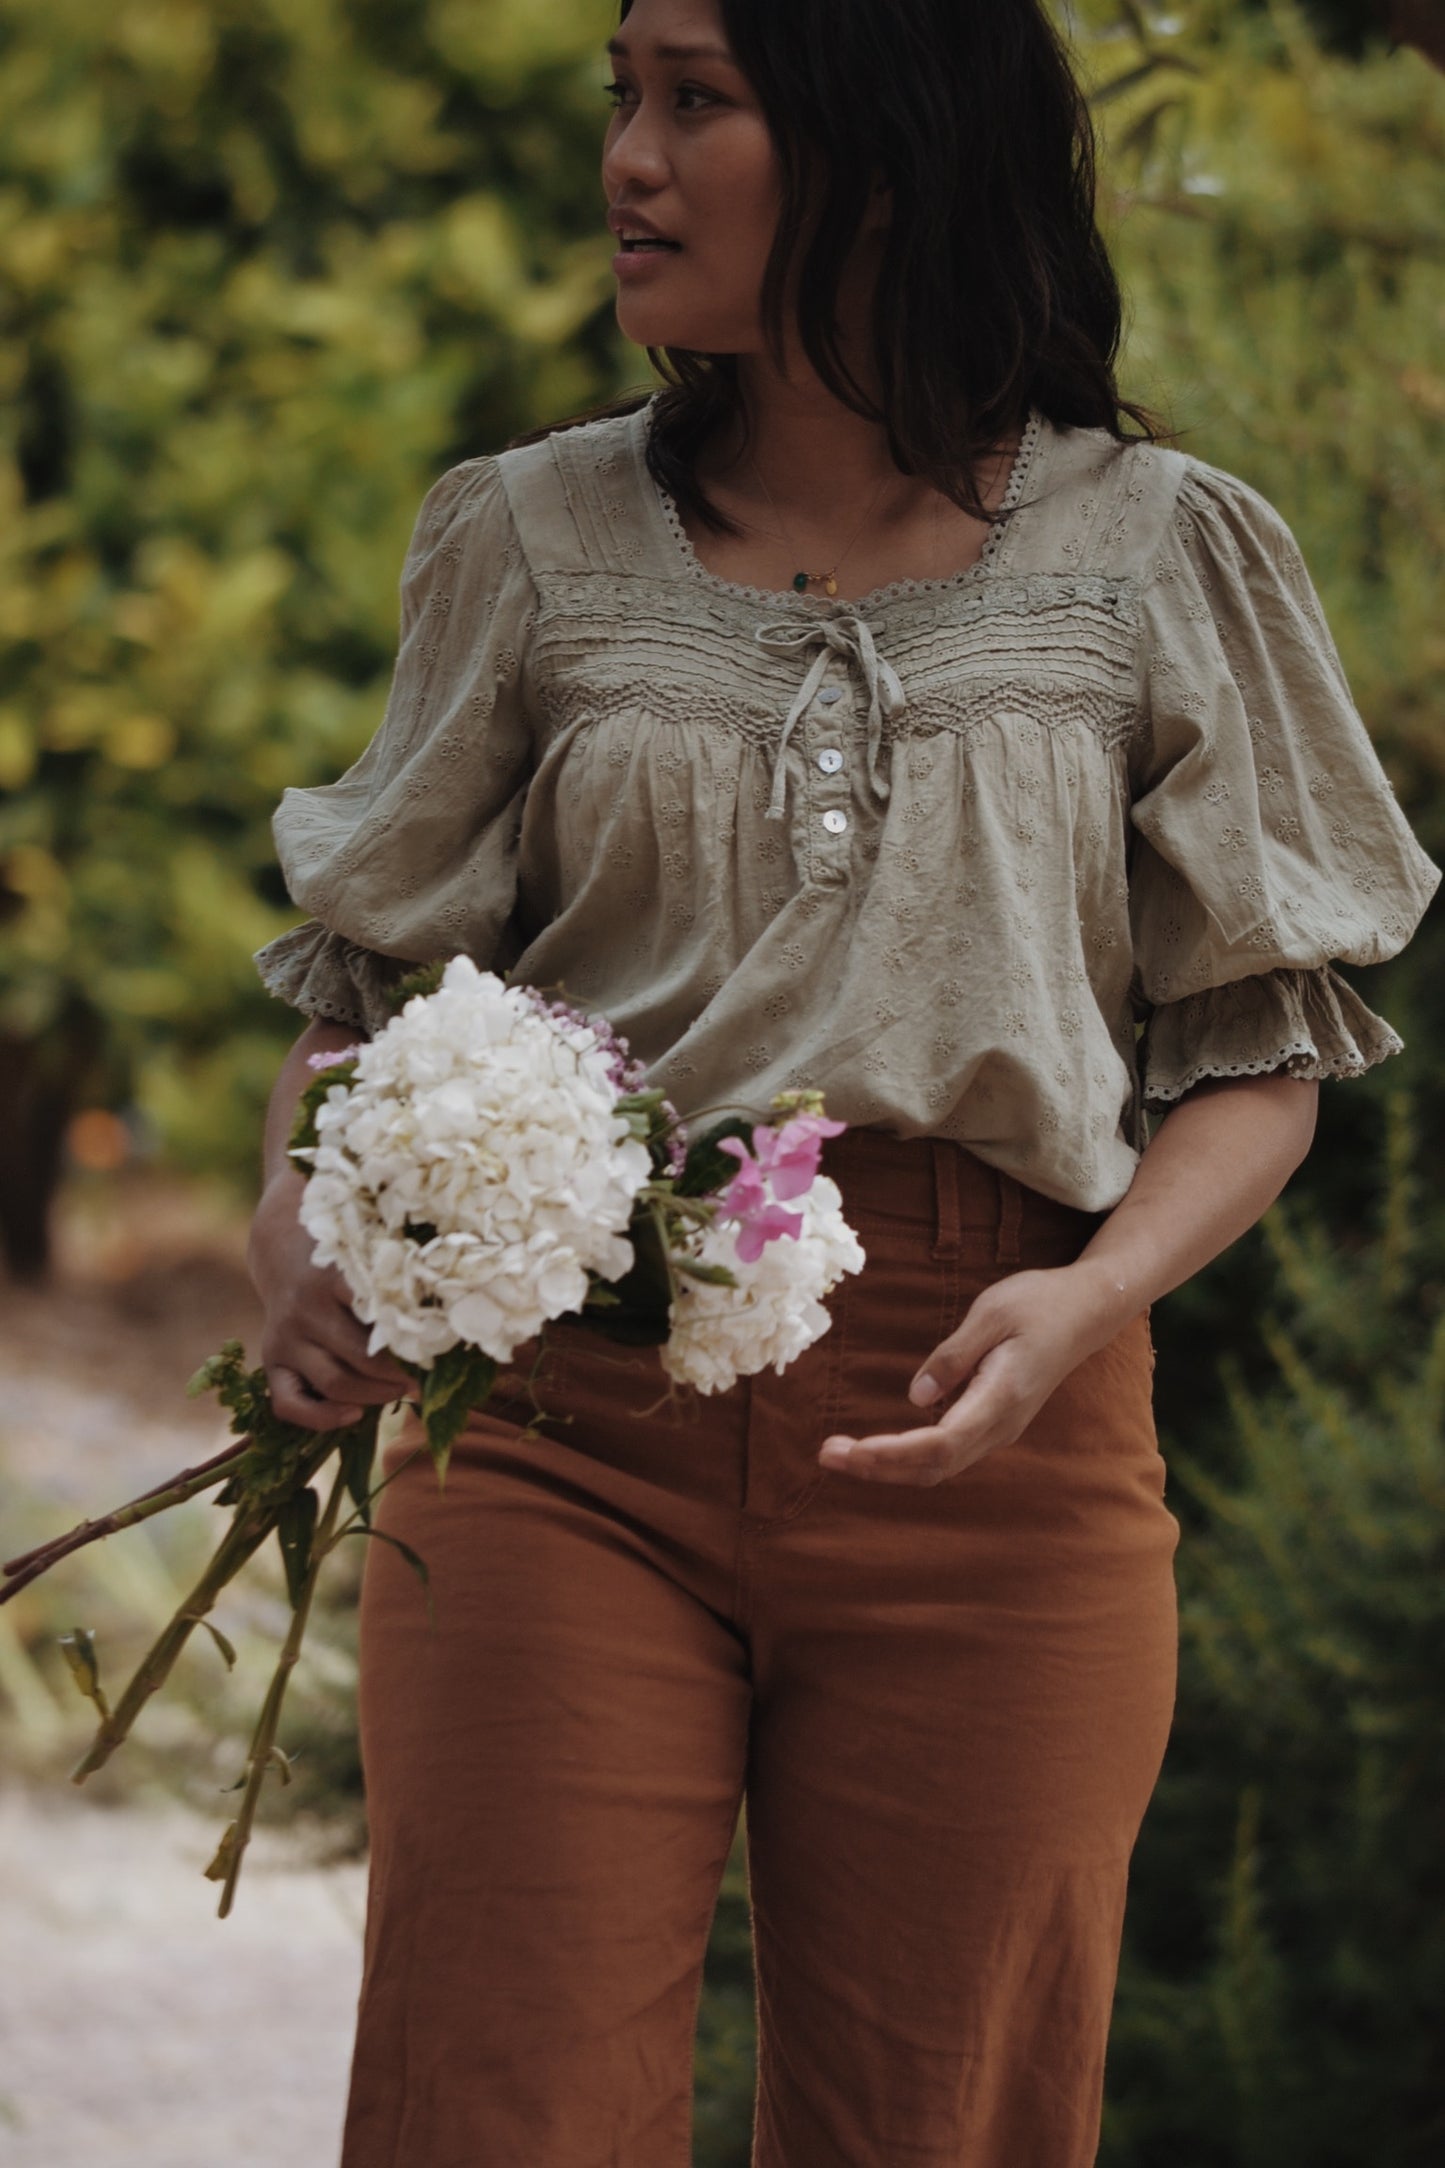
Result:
945,1708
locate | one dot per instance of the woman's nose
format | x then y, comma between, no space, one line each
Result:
634,154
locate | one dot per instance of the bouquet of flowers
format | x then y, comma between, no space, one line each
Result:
488,1163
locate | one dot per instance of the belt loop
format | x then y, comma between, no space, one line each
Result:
948,1226
1010,1219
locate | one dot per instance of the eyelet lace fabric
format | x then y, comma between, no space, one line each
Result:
1007,857
1307,1024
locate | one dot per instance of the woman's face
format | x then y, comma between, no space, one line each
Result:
688,149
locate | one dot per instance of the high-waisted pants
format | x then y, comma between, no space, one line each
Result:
945,1707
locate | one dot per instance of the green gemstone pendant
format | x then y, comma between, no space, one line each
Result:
800,582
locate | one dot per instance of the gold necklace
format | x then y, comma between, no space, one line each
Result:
802,581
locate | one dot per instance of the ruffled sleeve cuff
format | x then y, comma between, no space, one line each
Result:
324,975
1304,1023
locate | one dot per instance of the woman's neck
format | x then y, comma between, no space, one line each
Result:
825,497
812,461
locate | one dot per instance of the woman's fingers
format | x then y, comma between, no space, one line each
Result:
295,1402
335,1380
340,1330
992,1411
994,1316
311,1330
313,1346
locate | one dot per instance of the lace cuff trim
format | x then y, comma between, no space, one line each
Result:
324,975
1306,1023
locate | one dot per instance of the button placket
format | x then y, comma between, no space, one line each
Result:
831,812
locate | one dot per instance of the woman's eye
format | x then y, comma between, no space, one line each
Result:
617,92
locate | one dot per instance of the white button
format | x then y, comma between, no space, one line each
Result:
830,760
835,822
829,694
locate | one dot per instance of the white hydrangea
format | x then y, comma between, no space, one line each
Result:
492,1128
721,1334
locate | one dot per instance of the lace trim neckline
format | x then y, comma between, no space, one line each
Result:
809,606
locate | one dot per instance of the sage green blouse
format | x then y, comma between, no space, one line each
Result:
1005,857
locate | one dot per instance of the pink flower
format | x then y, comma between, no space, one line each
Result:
747,1191
329,1061
765,1227
789,1156
746,1200
747,1197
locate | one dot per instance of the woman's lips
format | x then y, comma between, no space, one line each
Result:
631,263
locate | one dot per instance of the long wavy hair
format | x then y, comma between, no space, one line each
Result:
996,292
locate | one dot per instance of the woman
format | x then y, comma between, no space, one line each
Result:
867,710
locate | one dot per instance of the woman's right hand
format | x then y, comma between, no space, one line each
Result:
313,1347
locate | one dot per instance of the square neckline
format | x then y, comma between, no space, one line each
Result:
1027,459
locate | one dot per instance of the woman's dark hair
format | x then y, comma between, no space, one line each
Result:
995,292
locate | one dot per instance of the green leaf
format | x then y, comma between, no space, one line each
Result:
424,980
358,1454
78,1648
706,1168
417,1563
225,1647
599,1297
646,1102
303,1129
295,1526
457,1382
220,1866
461,1377
638,1313
712,1275
216,1369
276,1759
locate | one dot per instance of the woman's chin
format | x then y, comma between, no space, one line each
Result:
650,324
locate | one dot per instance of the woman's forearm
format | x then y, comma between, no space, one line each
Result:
295,1075
314,1349
1216,1163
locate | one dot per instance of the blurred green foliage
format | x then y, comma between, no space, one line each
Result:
265,272
1278,219
1284,1969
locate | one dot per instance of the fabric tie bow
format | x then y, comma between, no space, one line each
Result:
847,635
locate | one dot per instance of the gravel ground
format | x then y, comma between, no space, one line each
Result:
138,2030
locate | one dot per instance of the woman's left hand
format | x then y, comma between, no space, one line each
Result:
1218,1159
1018,1342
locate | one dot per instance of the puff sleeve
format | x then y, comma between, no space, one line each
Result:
1266,840
412,853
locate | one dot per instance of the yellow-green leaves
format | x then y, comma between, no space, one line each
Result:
268,271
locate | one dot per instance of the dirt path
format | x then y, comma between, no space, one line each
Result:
137,2030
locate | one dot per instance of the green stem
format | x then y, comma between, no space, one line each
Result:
659,1221
246,1534
189,1483
724,1106
264,1737
356,1518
